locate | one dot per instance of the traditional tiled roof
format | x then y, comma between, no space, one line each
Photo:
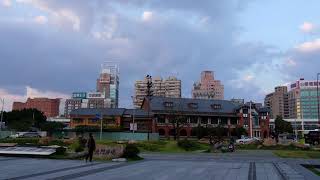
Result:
264,110
110,112
94,111
192,105
137,112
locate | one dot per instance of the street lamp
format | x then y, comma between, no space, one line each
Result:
318,74
133,116
2,100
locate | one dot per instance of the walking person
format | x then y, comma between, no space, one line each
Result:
91,145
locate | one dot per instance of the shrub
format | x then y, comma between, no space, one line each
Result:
131,151
21,141
188,145
151,145
79,144
57,142
60,151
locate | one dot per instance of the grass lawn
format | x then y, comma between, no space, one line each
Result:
297,154
167,147
313,169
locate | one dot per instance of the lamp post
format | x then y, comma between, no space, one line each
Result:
149,97
101,119
133,116
250,120
318,74
2,100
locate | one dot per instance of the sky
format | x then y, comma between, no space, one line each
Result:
55,47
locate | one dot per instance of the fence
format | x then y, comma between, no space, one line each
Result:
113,136
4,134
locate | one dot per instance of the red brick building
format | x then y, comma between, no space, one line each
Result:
50,107
155,116
208,113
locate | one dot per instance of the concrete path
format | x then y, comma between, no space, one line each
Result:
238,166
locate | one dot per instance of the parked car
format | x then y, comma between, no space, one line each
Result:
14,135
30,135
313,137
245,140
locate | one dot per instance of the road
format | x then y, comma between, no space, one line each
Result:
248,165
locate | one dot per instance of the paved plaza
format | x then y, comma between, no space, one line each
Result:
237,166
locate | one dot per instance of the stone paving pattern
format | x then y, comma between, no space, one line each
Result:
236,166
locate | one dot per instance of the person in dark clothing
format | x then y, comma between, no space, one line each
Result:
91,145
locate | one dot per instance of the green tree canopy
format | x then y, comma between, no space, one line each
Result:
25,119
282,126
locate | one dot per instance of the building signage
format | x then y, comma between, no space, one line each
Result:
109,152
133,126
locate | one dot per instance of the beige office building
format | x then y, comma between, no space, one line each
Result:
208,87
170,87
278,102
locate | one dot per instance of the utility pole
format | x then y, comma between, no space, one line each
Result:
101,119
2,100
296,128
133,116
250,119
149,97
318,74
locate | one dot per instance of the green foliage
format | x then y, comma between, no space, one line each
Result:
57,142
151,145
282,126
188,145
51,126
239,131
84,128
298,154
79,145
202,132
131,151
76,147
25,119
60,151
21,141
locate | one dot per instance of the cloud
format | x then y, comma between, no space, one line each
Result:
308,27
61,15
310,46
40,19
147,16
34,93
6,3
291,62
66,61
30,92
248,78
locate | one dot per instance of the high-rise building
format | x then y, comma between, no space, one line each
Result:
208,87
170,87
108,83
106,95
300,102
50,107
303,102
278,102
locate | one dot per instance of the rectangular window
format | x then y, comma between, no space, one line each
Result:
204,120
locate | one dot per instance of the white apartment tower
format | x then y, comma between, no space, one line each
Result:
170,87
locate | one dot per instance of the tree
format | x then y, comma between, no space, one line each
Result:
200,131
23,120
177,119
239,131
50,127
282,126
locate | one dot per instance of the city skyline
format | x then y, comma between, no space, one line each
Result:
61,45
